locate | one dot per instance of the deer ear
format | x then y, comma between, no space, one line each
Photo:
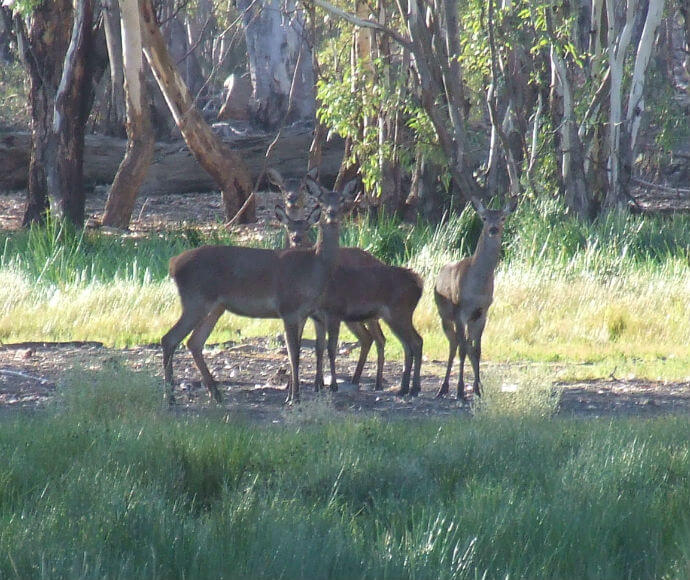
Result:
281,216
478,205
275,178
348,191
314,189
511,205
314,216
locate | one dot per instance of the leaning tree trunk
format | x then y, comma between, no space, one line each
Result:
72,104
140,142
43,52
280,62
223,164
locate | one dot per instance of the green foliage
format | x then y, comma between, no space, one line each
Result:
13,97
154,496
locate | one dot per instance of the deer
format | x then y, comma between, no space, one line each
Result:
384,291
464,292
366,332
254,282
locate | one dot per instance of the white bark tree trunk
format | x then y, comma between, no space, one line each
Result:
644,52
278,53
617,48
140,141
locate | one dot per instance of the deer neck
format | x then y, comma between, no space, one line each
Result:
486,256
327,244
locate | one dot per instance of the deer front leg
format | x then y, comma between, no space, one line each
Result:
474,334
333,333
293,339
319,348
449,330
462,347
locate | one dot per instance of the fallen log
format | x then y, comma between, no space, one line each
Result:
174,169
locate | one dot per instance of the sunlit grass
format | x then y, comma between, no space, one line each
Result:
613,294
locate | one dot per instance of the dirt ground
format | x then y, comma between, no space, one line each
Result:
253,373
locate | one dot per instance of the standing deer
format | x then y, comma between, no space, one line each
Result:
367,332
363,289
464,291
255,282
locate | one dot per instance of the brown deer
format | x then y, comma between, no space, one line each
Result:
255,282
464,291
367,332
380,291
363,289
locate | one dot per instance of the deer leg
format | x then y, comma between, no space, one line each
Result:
417,346
462,347
293,339
196,343
365,339
404,333
333,333
320,347
474,335
190,317
449,330
380,340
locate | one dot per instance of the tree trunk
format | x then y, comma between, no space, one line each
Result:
72,104
140,142
225,166
43,51
116,114
279,62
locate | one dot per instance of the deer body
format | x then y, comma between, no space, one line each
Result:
371,292
361,290
254,282
463,294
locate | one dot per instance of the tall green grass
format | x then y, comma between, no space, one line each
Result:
614,291
111,486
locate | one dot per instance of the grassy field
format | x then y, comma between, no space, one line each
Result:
613,294
108,485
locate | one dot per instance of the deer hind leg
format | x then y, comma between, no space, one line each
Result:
293,338
449,330
475,328
192,313
375,330
333,333
365,341
196,343
411,342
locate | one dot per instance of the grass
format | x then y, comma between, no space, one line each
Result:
612,294
110,486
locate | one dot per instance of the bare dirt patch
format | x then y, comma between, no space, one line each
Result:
253,377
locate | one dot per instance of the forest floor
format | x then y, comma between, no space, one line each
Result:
253,373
